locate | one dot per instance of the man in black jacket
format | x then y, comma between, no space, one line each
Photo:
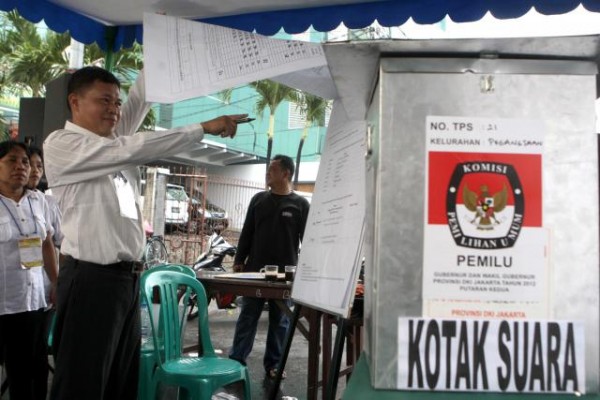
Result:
272,233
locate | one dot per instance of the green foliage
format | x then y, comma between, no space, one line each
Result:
127,62
29,58
4,134
313,108
225,95
272,94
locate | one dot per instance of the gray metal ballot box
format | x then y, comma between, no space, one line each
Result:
482,205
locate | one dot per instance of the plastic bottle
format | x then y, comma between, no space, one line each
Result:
145,321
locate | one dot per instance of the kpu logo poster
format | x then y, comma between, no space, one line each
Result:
485,249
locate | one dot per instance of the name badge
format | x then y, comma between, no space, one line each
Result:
126,198
30,250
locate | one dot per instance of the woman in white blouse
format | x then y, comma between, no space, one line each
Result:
36,161
25,248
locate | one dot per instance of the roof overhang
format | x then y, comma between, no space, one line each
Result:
214,154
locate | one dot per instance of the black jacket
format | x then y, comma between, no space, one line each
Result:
272,231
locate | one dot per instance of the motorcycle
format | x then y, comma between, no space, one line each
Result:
212,261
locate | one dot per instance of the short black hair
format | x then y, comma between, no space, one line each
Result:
36,150
287,163
85,77
7,146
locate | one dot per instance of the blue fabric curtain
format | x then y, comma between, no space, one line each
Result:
387,13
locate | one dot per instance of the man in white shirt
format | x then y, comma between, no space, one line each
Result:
91,167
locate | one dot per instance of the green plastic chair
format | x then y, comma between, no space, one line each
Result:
51,330
147,360
199,376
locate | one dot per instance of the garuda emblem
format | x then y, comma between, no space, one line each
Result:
485,206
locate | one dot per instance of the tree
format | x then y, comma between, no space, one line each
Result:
271,95
29,59
4,134
32,59
127,62
314,109
225,95
5,50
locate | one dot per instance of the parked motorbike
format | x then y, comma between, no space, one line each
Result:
212,261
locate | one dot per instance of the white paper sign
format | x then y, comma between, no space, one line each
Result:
491,355
329,259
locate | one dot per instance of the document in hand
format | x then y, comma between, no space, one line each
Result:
185,59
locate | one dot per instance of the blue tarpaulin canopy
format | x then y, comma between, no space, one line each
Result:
119,21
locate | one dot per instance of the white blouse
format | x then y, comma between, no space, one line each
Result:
21,289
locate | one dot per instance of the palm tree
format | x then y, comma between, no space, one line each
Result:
32,59
225,95
29,59
127,62
314,109
5,50
4,134
271,95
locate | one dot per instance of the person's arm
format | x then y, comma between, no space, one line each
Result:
74,157
135,108
50,264
55,220
304,219
48,250
245,240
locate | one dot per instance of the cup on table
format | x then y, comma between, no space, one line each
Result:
271,272
290,272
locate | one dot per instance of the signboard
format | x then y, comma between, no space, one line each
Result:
491,355
485,248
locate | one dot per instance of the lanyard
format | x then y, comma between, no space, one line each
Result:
15,220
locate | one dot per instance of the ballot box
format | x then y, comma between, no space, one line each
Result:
482,262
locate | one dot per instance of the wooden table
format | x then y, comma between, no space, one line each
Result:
278,291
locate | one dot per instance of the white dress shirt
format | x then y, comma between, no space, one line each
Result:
21,289
81,166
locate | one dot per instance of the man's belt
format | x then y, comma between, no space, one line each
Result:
125,266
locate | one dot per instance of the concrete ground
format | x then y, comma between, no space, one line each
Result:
222,326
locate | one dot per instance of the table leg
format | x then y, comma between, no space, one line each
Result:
314,321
